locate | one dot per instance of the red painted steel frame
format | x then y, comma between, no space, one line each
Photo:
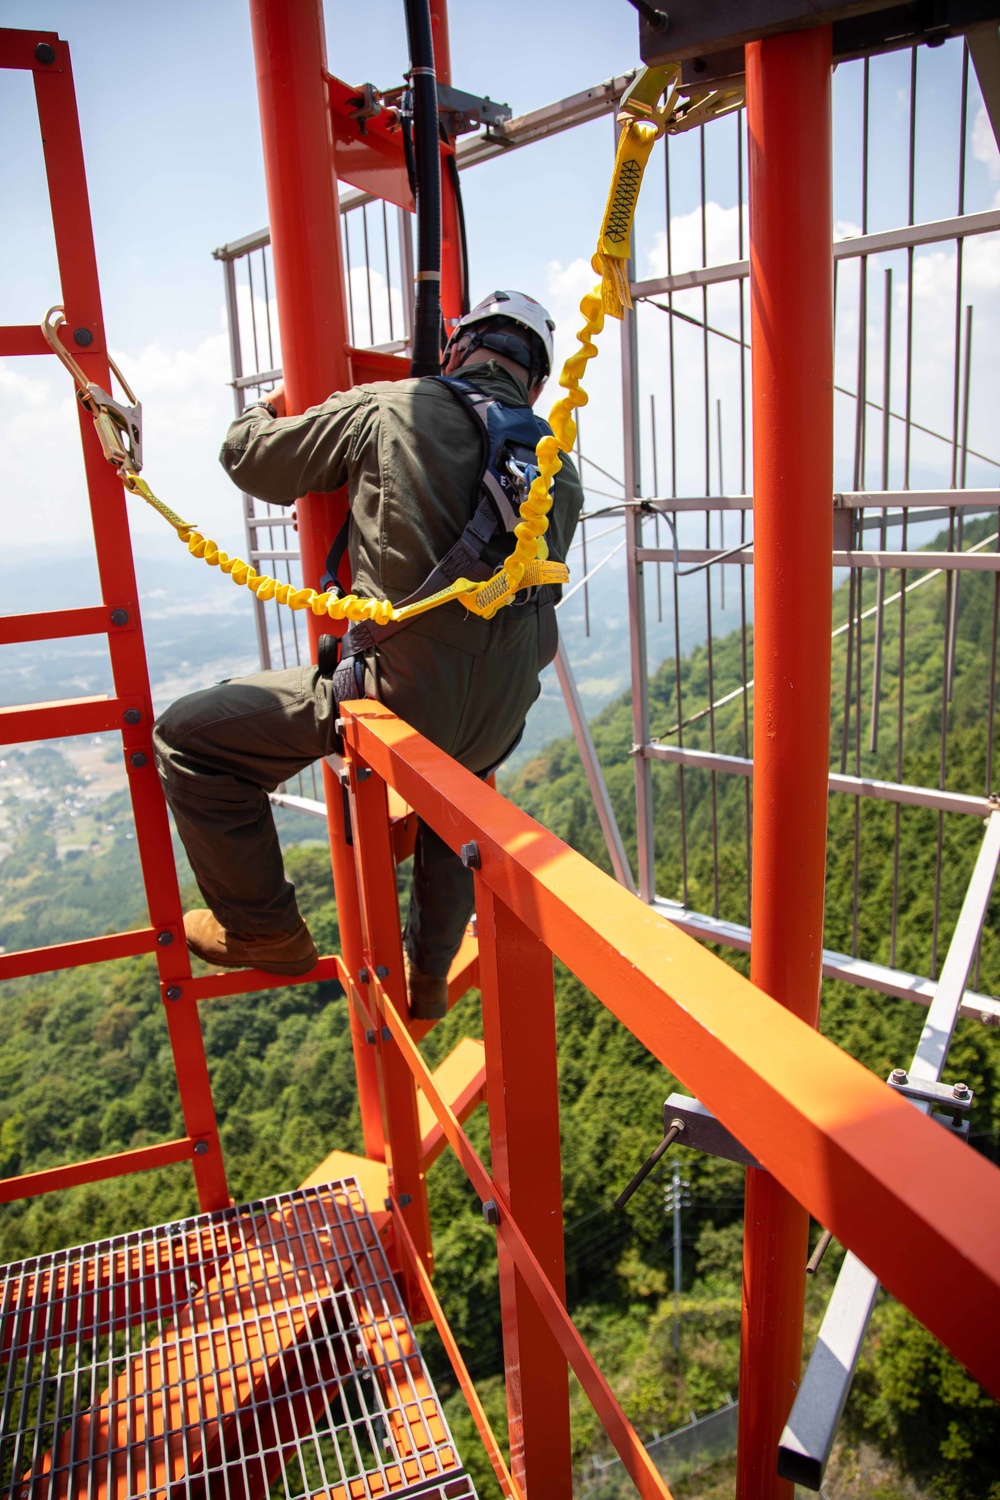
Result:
522,1090
791,311
452,270
290,54
857,1156
80,292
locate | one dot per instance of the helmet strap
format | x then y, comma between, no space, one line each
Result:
510,346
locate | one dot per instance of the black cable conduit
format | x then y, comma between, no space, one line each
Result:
426,358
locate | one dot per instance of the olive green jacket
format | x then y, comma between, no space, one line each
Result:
410,455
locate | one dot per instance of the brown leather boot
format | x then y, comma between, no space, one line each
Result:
275,952
428,996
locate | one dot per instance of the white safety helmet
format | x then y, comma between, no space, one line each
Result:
514,307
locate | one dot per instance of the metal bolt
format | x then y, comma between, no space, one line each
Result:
898,1075
387,1205
340,725
132,716
363,975
174,992
363,773
961,1090
490,1212
370,1036
470,858
119,617
45,53
83,337
164,939
405,1199
138,758
381,971
386,1034
201,1148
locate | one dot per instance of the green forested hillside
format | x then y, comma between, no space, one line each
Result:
85,1065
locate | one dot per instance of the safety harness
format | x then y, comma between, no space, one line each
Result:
510,436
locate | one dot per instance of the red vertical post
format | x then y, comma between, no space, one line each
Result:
519,1031
452,268
791,292
442,41
383,949
290,54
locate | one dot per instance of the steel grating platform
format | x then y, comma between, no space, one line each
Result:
259,1351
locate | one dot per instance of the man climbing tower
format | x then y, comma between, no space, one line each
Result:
435,469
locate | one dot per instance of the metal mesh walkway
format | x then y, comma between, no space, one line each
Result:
260,1350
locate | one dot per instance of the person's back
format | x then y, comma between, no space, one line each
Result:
413,455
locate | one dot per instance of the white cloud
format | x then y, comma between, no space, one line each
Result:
722,240
984,143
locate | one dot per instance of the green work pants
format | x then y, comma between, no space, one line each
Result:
221,750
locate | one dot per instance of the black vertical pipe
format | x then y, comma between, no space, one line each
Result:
426,358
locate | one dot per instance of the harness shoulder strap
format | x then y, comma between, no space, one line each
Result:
507,431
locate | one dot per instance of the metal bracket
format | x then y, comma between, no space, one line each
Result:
462,113
950,1102
368,104
704,1132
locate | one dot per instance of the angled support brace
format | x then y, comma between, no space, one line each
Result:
808,1437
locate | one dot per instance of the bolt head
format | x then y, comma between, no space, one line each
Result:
381,971
340,725
201,1148
370,1036
405,1199
164,939
174,992
44,53
470,858
363,772
138,758
363,975
119,617
83,337
898,1075
132,716
491,1212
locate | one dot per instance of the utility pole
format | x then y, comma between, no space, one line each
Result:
676,1198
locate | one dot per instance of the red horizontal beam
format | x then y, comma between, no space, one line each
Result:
375,364
55,624
97,950
54,721
244,981
24,338
98,1169
919,1208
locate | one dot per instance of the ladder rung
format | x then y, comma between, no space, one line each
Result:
56,624
71,955
53,721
